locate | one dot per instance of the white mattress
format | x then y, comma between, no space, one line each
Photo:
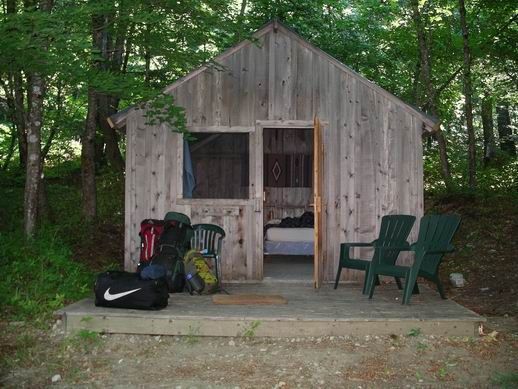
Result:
277,234
288,248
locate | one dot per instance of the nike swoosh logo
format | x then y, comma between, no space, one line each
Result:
110,297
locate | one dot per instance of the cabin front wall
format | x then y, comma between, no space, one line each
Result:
373,149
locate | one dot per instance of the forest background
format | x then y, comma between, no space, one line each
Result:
67,65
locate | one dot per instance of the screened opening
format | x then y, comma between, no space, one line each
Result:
220,166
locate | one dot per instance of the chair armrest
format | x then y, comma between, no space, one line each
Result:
449,249
376,260
401,248
357,244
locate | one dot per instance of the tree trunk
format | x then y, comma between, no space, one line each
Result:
505,132
106,105
10,150
54,127
16,85
100,157
89,151
443,159
35,97
88,159
109,43
16,94
33,171
487,126
20,113
415,83
468,107
243,9
424,56
430,94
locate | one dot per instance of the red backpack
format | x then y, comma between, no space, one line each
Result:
150,231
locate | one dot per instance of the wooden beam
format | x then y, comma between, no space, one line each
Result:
118,120
221,129
202,143
295,124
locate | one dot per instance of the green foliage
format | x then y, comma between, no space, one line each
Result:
110,197
88,336
414,332
193,335
506,380
84,340
39,276
500,177
163,41
249,331
421,346
22,349
162,110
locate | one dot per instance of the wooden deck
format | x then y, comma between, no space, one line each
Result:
309,312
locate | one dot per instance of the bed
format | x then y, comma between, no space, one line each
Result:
289,241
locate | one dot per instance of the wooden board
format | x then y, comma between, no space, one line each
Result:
318,165
248,299
329,312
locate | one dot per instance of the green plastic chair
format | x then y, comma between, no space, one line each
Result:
435,235
208,239
394,231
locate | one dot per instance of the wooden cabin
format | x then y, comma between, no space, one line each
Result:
281,128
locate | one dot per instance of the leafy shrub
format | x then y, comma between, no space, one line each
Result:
500,177
39,276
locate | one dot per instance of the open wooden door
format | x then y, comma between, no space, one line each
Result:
318,173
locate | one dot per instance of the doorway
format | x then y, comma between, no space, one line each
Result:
288,201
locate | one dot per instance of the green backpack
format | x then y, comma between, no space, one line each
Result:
204,271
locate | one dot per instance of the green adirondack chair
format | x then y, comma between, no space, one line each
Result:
208,239
434,241
394,231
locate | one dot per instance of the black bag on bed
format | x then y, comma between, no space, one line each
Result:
119,289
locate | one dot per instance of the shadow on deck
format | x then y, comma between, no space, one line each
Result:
309,312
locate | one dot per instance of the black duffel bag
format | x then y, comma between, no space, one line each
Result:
119,289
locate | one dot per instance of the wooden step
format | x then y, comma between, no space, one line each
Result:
308,312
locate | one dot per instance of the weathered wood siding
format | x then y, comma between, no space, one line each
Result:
373,150
150,181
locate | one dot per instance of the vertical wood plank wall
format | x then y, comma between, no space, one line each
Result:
373,150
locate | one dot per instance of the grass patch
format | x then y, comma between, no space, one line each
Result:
414,332
249,331
22,350
506,380
39,276
57,266
193,335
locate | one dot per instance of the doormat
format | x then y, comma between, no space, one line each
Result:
248,299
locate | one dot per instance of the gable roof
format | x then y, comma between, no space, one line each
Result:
431,124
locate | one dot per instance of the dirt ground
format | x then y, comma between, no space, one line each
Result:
33,358
486,254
